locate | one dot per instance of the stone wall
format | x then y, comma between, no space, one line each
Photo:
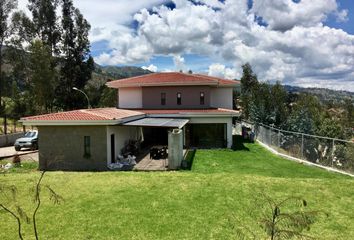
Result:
9,139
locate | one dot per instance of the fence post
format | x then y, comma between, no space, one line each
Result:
269,137
302,146
278,138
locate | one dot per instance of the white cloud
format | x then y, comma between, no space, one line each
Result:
293,46
342,16
179,63
220,70
285,14
151,68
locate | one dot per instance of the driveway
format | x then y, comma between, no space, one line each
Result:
7,152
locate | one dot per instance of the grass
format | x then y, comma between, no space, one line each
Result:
219,193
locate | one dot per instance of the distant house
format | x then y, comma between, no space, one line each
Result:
149,107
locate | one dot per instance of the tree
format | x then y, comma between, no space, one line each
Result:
280,219
45,22
330,128
306,115
260,104
278,101
349,109
9,203
42,76
282,224
108,97
249,82
6,7
77,64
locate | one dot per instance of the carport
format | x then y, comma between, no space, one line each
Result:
159,132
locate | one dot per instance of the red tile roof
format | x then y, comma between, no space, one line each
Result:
106,114
171,79
86,115
188,111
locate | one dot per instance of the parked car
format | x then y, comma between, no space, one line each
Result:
30,140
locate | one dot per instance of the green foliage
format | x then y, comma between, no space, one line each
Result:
45,23
77,64
262,102
249,81
349,108
108,98
279,104
330,128
300,121
23,30
281,223
42,76
6,7
280,219
305,116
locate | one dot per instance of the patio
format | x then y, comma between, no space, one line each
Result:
146,163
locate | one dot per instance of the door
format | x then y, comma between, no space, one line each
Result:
113,149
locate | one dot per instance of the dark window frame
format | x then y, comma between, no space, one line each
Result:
179,98
163,98
202,98
87,146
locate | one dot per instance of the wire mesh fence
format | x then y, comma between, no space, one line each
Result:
330,152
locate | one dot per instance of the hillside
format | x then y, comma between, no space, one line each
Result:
114,72
324,94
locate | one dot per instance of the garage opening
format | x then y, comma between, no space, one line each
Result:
206,135
155,136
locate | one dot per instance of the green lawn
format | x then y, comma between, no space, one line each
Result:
221,191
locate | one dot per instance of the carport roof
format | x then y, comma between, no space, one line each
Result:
158,122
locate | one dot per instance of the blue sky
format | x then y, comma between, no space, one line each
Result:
347,26
308,43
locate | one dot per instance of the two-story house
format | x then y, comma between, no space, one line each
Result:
149,107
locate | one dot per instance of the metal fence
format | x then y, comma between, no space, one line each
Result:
329,152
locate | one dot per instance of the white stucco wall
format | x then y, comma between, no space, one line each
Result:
121,135
221,98
226,120
130,98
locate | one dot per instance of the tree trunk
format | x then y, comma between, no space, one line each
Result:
5,124
2,111
1,80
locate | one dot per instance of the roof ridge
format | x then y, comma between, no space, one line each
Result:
104,115
169,78
135,77
87,111
51,114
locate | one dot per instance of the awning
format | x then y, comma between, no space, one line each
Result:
159,122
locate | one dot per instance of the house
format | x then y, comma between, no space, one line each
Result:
149,107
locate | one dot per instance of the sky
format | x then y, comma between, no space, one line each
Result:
308,43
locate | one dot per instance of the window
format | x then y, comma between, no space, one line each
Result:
202,96
87,146
179,98
163,98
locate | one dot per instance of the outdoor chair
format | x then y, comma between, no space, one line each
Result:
154,153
